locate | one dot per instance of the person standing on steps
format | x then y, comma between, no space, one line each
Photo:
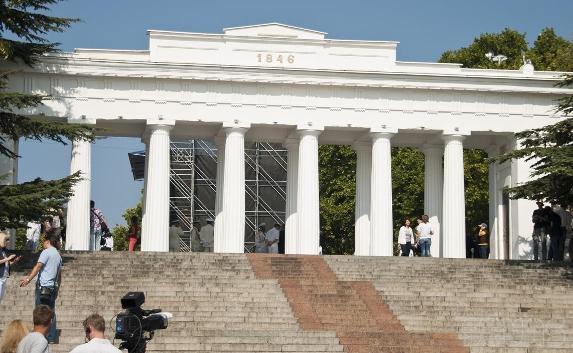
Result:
405,238
35,341
539,220
260,240
133,233
48,268
282,240
554,231
196,245
208,235
5,262
94,328
272,238
98,225
425,232
483,241
175,235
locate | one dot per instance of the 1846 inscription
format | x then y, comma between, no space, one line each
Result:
275,58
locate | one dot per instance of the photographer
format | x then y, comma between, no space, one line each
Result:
94,327
48,270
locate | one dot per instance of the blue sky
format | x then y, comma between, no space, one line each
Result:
424,29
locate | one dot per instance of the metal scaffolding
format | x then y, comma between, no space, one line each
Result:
193,187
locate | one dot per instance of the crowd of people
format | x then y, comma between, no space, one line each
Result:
16,337
418,240
271,241
552,227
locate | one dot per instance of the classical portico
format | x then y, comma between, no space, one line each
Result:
288,85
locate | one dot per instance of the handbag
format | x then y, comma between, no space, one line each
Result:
46,295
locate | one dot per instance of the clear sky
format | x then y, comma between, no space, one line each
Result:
424,29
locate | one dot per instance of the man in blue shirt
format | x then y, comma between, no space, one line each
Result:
48,270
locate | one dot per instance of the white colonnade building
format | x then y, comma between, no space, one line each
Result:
289,85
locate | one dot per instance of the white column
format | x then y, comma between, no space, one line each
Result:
219,223
155,228
362,201
78,217
381,227
145,140
234,191
433,185
291,225
495,241
454,239
308,207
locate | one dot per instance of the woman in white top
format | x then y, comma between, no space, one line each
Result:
425,231
260,240
405,238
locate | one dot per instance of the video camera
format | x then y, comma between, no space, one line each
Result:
132,324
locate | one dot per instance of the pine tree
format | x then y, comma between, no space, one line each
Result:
26,23
551,150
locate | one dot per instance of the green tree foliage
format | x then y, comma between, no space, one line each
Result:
27,22
337,176
550,149
120,232
551,52
508,42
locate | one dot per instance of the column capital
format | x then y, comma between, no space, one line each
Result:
235,130
430,147
362,146
236,124
381,135
310,126
308,132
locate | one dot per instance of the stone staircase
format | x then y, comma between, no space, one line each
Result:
492,306
217,303
270,303
352,309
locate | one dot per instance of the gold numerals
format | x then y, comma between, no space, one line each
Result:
275,58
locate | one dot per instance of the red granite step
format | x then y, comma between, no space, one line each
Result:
359,316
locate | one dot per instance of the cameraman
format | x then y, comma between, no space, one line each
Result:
94,327
49,266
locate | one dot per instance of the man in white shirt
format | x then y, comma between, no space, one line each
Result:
272,238
35,341
207,235
94,327
425,232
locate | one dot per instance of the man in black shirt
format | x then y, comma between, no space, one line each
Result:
555,234
540,222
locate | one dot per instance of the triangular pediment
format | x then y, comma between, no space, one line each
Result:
274,30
